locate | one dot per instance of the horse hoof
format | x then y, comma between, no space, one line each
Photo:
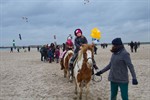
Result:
80,98
70,81
75,92
75,98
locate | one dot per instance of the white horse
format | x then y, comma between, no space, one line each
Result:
83,69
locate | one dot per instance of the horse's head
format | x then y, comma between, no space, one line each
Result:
88,53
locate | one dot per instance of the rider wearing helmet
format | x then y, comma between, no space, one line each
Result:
69,46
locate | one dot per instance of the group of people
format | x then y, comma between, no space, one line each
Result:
134,46
50,53
119,64
18,49
104,45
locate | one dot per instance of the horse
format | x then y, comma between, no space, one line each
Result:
83,69
67,57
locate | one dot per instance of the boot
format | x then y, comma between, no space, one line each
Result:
71,66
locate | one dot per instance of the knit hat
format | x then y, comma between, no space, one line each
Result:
77,31
117,41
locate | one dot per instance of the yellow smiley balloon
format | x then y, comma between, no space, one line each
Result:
95,33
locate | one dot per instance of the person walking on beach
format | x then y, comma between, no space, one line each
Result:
18,49
57,53
135,46
11,49
131,46
29,48
118,66
95,49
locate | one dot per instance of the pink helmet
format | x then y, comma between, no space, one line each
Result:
77,31
69,42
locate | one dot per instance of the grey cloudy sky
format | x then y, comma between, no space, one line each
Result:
128,19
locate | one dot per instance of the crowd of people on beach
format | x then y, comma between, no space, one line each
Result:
50,53
134,46
23,47
104,45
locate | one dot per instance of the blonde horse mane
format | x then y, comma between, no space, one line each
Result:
85,47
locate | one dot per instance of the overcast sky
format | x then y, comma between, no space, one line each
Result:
128,19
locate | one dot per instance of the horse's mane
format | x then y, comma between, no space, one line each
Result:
85,47
69,51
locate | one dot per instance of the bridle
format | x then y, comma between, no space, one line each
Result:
87,60
90,58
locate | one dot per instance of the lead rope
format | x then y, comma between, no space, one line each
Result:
95,79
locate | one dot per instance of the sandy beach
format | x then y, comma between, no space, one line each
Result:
24,77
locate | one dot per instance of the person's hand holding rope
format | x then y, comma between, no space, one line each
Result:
98,73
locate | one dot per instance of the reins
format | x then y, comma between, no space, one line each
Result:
97,80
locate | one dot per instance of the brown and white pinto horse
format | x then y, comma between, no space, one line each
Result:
66,61
83,69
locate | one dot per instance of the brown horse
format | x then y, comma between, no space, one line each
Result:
83,69
65,63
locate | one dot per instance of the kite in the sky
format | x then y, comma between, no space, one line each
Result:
25,18
86,1
69,37
20,37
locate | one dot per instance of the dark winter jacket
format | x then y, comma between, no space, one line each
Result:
119,64
79,41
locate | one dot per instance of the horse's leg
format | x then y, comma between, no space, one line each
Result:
41,57
61,63
87,90
81,89
70,76
65,73
76,87
50,60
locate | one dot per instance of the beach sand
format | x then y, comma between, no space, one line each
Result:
24,77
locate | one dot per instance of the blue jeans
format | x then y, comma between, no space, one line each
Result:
123,89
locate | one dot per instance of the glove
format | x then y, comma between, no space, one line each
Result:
134,82
98,73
